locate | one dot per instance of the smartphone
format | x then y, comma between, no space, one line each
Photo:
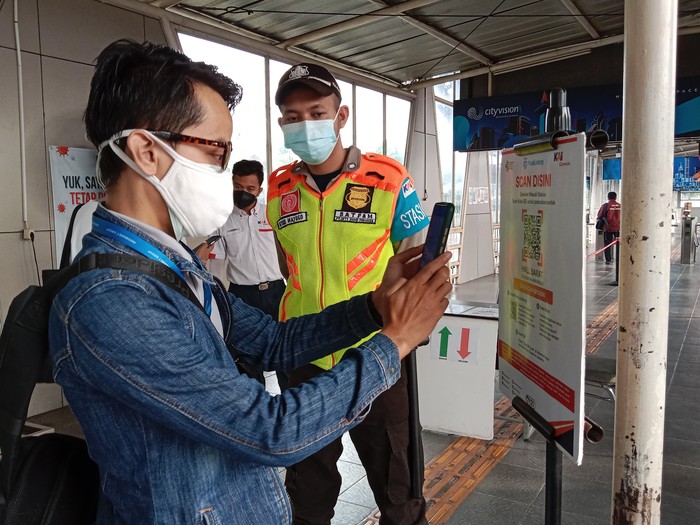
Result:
211,240
438,230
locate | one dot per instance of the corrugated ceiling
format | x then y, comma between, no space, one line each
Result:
415,40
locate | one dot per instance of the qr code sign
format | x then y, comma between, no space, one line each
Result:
532,237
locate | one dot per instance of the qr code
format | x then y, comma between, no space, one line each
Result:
532,237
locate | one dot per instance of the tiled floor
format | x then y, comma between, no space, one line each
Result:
513,492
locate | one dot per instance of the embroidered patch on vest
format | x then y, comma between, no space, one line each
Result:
407,188
290,210
357,204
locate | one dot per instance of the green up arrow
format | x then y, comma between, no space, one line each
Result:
444,338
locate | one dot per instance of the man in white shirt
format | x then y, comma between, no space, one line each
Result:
247,243
247,248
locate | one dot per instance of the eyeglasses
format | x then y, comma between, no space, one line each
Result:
177,137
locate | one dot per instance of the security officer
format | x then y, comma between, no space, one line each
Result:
339,215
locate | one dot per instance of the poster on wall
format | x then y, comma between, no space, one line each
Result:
541,344
74,182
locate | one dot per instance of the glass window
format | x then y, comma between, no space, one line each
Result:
280,154
443,114
248,70
460,171
445,91
495,183
397,114
347,135
369,113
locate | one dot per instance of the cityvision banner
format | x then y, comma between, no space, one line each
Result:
499,122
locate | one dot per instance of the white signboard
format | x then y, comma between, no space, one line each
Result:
74,181
456,375
542,305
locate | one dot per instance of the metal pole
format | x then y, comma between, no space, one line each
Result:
553,467
648,119
416,463
552,486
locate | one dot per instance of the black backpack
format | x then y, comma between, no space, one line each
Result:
602,223
49,479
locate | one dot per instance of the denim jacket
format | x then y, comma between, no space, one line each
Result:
179,435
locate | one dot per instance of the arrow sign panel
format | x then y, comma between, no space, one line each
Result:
462,348
464,345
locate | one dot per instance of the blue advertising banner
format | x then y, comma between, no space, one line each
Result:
499,122
686,174
612,169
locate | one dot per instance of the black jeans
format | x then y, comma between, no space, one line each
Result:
609,237
267,300
381,441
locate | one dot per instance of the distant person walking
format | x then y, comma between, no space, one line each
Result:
610,213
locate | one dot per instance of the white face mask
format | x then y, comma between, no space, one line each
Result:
199,196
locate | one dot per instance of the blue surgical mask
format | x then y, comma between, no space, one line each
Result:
311,140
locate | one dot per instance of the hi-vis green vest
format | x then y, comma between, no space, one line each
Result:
337,244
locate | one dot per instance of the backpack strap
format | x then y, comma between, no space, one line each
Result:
138,263
65,253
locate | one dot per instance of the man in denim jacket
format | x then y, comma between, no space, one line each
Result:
179,435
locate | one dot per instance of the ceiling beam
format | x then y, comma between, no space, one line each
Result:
534,59
226,33
354,22
164,4
444,37
580,18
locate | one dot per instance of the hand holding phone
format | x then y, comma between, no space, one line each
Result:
438,231
211,240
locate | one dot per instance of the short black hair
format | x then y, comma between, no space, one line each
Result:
146,86
612,195
249,167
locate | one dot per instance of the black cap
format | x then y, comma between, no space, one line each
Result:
314,76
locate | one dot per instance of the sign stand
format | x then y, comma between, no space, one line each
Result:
553,465
553,468
416,462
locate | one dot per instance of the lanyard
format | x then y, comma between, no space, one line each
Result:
116,232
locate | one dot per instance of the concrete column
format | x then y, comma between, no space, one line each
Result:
648,119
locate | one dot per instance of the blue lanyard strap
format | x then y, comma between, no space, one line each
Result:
118,233
207,288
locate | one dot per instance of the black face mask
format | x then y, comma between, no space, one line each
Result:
243,199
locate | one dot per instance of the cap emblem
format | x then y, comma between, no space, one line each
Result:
298,72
